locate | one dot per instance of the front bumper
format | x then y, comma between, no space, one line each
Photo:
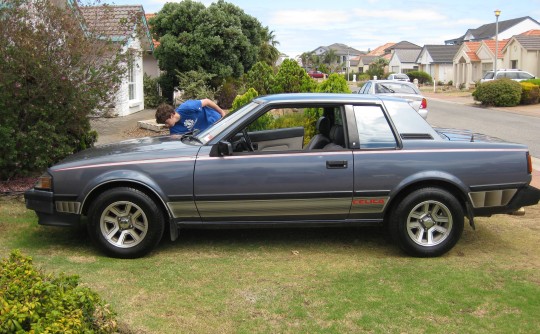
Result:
42,202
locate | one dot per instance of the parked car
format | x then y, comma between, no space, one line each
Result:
402,89
317,74
373,161
517,75
399,77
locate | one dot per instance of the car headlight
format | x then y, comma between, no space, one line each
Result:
44,182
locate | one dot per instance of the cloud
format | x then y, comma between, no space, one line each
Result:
400,15
306,18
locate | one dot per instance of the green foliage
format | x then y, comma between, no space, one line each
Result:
260,77
334,84
268,53
50,82
228,92
362,77
530,93
291,78
500,93
376,68
152,97
31,301
533,81
423,77
194,85
220,38
242,100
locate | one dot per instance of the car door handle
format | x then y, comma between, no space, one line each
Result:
336,164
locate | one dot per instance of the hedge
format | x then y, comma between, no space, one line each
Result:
500,93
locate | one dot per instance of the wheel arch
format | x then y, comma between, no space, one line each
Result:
456,189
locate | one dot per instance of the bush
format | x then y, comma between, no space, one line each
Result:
242,100
423,77
500,93
530,93
260,77
291,78
533,81
152,97
31,301
50,82
227,92
334,84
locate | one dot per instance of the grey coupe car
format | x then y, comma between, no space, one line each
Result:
290,160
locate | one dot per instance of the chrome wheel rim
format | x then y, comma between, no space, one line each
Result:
123,224
429,223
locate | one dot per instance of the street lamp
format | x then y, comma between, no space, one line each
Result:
497,13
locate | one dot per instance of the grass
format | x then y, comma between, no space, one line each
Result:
302,281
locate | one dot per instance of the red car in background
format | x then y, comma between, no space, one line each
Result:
316,74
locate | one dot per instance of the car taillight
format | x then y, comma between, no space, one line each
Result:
423,105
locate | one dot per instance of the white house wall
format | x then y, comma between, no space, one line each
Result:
124,106
518,29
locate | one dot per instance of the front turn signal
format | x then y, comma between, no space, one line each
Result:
44,182
529,163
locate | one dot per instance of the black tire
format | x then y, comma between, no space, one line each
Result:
125,223
427,223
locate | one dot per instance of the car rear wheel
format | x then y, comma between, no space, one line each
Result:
428,222
125,223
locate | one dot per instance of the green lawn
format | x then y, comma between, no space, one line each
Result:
302,281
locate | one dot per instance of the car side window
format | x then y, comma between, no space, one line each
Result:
512,75
523,75
374,131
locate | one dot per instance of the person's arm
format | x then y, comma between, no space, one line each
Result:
213,105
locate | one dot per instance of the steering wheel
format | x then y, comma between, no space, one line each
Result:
249,144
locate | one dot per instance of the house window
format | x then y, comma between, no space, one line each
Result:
131,79
514,64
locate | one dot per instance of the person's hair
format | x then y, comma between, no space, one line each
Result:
164,112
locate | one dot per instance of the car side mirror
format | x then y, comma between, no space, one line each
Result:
224,148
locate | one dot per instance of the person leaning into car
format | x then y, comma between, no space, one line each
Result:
189,116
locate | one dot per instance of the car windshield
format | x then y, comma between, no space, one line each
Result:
488,75
397,88
224,123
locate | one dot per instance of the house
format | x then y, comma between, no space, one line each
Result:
523,52
506,29
437,61
474,59
403,57
343,52
150,63
108,20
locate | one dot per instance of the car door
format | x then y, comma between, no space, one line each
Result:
274,186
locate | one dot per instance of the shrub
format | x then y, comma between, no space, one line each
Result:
530,93
423,77
152,96
227,92
450,83
194,85
362,77
242,100
291,78
260,77
500,93
533,81
334,84
50,82
31,301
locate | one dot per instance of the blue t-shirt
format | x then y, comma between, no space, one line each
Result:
193,116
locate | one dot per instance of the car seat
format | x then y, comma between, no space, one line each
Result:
321,139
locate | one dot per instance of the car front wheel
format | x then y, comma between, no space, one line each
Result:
125,223
428,222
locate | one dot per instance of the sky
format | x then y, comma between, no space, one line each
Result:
303,26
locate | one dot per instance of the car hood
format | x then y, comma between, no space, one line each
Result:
134,149
466,135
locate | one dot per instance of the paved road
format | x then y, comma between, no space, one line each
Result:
513,127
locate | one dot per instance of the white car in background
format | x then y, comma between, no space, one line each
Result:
516,75
399,77
401,89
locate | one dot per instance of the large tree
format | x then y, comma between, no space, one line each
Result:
220,40
54,72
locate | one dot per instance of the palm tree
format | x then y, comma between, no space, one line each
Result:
268,51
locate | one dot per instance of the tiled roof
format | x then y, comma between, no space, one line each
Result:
148,17
109,20
379,51
487,31
491,45
403,45
407,56
533,32
442,53
531,43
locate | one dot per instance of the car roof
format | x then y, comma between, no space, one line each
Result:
317,98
